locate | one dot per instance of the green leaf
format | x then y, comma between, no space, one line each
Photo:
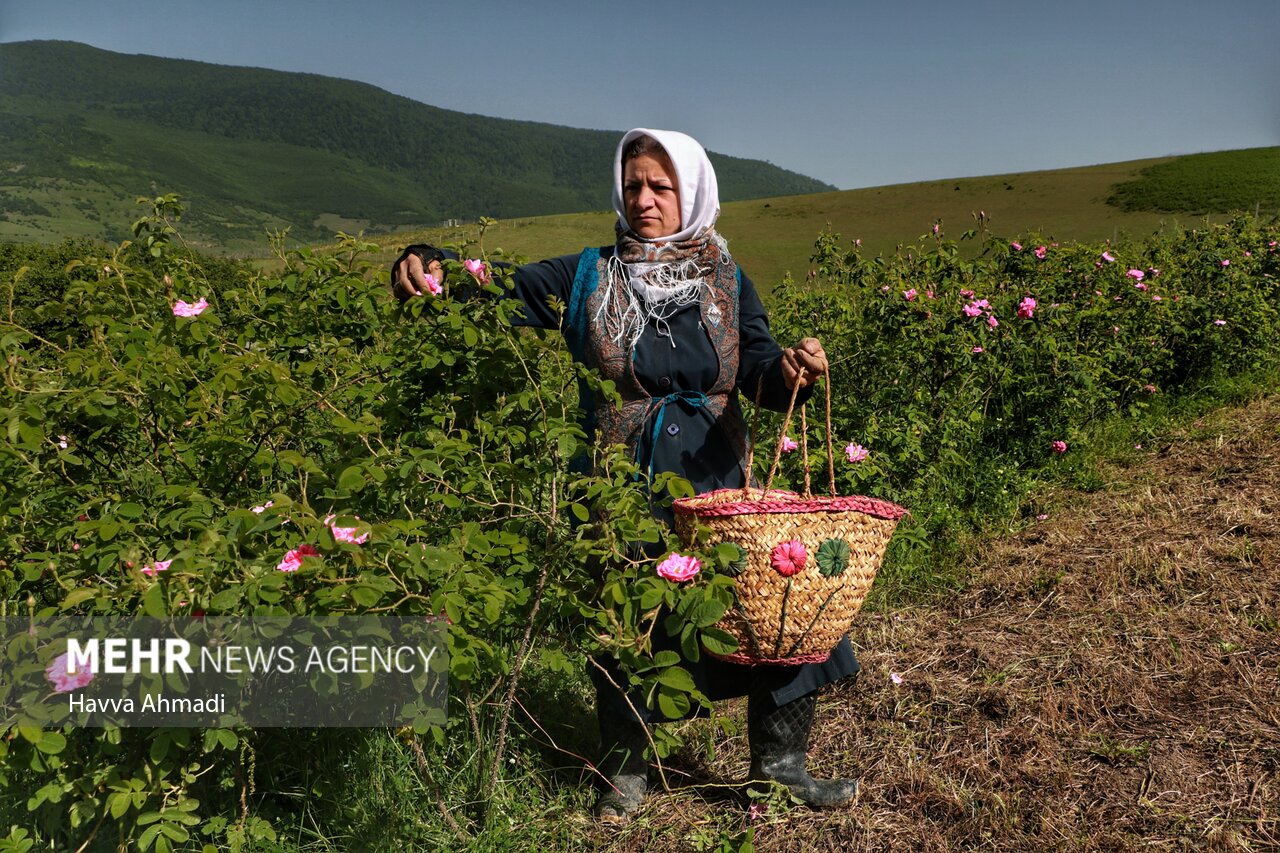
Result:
51,742
677,678
118,804
708,613
651,597
365,596
153,603
673,705
351,479
78,596
733,557
148,837
718,641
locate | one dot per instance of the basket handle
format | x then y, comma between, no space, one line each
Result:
804,440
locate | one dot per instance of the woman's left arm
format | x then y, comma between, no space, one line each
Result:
763,360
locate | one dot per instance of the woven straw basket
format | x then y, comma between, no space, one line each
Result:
794,603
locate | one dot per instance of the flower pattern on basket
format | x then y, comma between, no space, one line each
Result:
789,557
832,557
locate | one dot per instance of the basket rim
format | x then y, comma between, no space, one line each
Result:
786,503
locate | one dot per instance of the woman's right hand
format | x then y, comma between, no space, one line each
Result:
408,276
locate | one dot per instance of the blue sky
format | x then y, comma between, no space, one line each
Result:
853,93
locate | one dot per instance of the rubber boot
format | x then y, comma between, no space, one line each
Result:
779,739
622,765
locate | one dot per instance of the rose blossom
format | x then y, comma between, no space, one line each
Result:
679,568
184,309
293,559
1059,446
157,567
788,444
346,534
65,676
855,452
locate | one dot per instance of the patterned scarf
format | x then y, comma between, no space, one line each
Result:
650,280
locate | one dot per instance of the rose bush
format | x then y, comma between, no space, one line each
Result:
961,395
299,442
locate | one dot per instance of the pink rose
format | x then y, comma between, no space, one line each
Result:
65,676
788,444
430,283
1059,446
184,309
909,294
1040,252
293,559
477,269
977,350
855,452
789,557
992,321
1016,246
346,534
972,310
1108,257
1026,308
158,566
679,568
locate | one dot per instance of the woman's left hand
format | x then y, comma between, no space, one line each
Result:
809,355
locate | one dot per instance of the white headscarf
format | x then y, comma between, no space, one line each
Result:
663,274
699,192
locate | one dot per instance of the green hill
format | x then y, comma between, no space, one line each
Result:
1246,180
87,130
774,236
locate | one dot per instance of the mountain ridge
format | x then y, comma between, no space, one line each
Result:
265,148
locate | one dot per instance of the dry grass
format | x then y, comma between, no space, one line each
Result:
1109,681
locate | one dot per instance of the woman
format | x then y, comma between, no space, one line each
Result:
667,315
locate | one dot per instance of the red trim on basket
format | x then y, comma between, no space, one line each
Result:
751,660
787,502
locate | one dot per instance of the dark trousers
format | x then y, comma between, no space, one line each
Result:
719,679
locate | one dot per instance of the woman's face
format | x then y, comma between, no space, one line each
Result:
651,195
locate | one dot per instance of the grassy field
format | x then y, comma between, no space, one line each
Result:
774,237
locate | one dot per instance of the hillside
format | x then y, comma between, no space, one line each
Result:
771,237
87,130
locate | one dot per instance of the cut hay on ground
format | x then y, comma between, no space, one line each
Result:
1109,681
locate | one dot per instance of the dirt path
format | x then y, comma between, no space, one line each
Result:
1110,681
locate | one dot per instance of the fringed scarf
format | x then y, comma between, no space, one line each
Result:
649,281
